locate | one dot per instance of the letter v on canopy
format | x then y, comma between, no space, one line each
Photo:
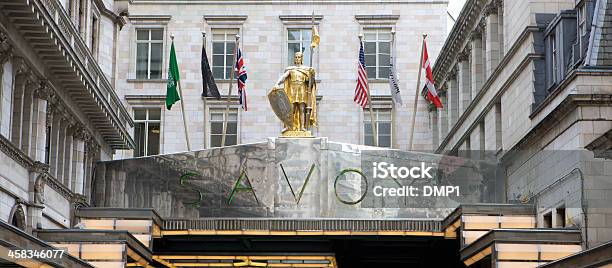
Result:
299,197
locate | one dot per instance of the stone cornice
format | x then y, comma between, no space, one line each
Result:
225,19
300,19
377,19
13,152
149,19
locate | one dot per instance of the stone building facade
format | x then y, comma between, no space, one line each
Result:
270,32
59,112
529,82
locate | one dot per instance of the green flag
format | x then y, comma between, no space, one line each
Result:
172,94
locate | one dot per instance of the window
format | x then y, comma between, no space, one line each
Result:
47,143
560,217
554,58
547,220
298,40
81,17
382,119
95,25
377,48
149,46
224,41
147,131
582,25
216,127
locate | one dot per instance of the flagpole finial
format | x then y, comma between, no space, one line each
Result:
424,35
203,34
172,37
360,36
237,36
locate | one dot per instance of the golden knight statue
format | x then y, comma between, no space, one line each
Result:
296,103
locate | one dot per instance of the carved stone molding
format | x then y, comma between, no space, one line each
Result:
452,73
39,167
17,217
91,147
465,54
43,91
58,187
20,65
476,34
81,134
15,153
491,8
5,48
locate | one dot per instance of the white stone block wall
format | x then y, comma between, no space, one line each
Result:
262,42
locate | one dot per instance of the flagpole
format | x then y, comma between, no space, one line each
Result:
416,96
374,128
203,45
183,109
229,91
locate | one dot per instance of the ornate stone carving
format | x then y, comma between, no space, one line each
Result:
58,187
17,217
39,188
465,54
39,167
21,66
43,91
476,34
81,134
5,48
452,73
491,8
91,147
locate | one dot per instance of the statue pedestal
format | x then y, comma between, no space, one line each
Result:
297,134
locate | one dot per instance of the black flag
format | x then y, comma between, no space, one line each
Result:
209,87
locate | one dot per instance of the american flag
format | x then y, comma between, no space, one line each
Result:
361,91
241,77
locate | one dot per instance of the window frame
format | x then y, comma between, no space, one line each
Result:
212,42
377,118
149,42
146,122
94,34
377,54
209,121
300,28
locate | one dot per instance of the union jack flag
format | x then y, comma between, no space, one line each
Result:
361,91
241,76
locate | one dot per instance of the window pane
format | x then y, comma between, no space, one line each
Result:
215,141
371,72
384,115
367,140
229,49
142,54
157,34
232,128
384,141
307,35
369,36
139,137
142,35
293,35
383,72
156,61
218,72
153,142
384,47
370,60
154,114
218,48
367,129
369,48
219,36
228,60
233,116
384,129
230,140
384,59
216,128
384,35
218,60
140,114
216,116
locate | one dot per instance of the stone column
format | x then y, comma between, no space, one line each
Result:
19,84
452,98
443,113
54,121
91,155
27,143
500,27
61,148
39,122
78,161
476,62
465,80
68,153
5,55
492,54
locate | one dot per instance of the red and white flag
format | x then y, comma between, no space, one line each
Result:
430,94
